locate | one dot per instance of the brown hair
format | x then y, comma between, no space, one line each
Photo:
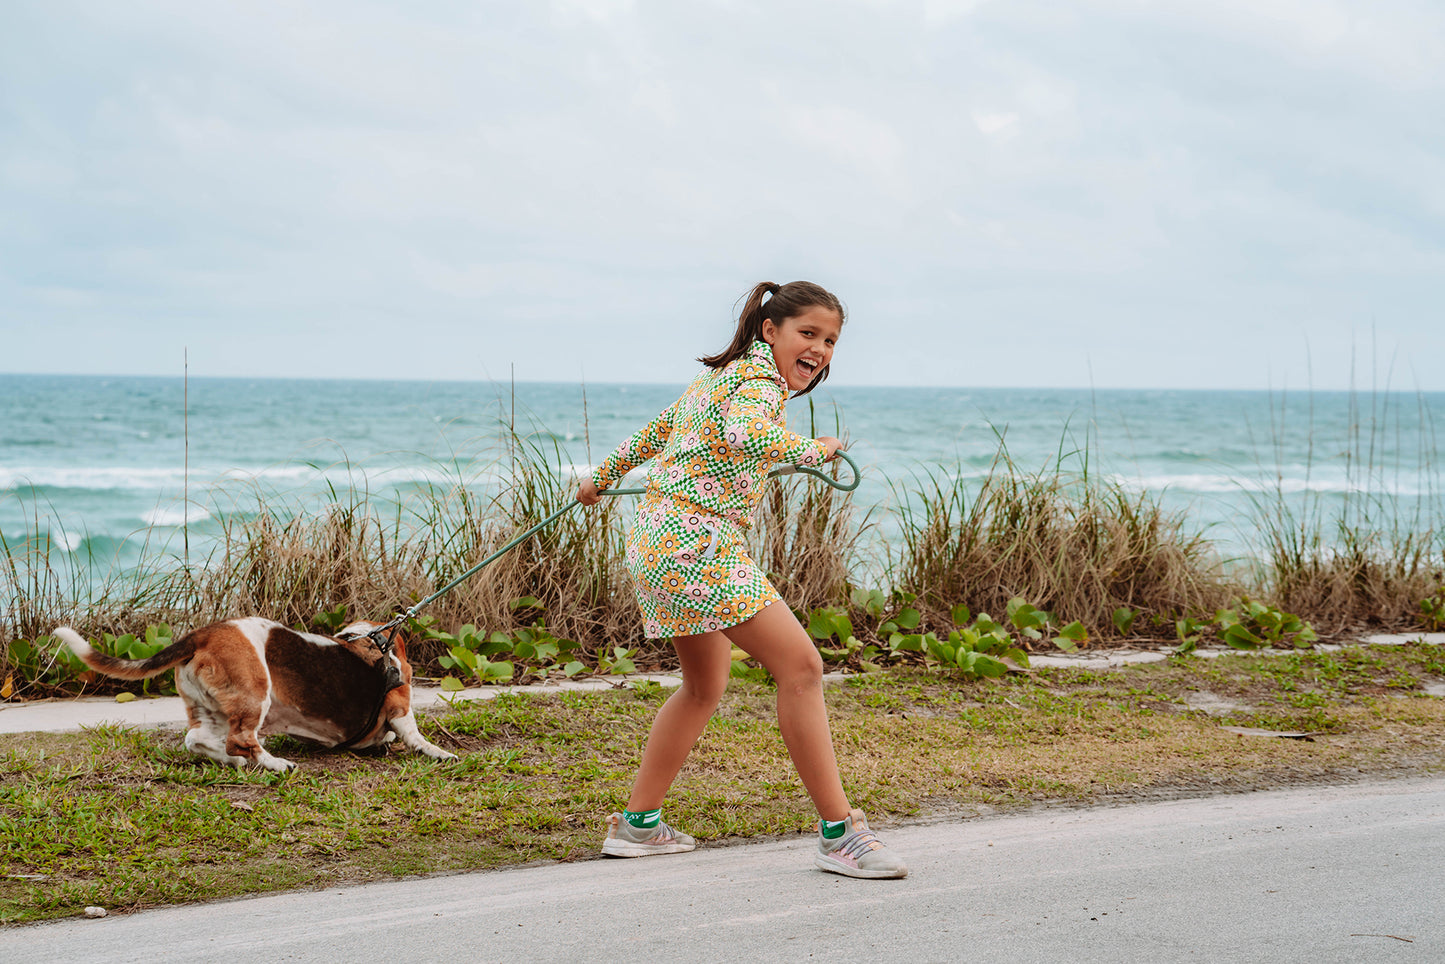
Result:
787,301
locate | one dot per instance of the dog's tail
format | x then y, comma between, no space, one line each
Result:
174,654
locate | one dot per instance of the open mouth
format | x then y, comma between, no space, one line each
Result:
807,367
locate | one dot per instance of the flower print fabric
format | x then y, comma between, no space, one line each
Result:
712,450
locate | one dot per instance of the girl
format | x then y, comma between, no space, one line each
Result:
711,452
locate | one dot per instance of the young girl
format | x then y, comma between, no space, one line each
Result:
711,452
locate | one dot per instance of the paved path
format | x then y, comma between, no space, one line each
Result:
1336,874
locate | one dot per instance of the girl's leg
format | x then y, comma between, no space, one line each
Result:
706,662
776,640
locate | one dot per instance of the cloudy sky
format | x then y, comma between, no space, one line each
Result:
1231,193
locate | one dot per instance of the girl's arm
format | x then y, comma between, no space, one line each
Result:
641,446
749,427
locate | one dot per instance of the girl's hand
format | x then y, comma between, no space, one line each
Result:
831,444
587,493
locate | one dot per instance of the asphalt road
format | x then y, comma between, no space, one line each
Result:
1333,874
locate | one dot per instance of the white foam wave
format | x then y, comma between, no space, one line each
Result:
65,540
135,478
1211,483
175,515
88,477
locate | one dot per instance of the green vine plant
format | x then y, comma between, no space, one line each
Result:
1033,623
1253,625
888,614
1432,608
499,657
1247,625
976,647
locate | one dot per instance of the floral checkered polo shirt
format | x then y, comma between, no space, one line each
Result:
712,449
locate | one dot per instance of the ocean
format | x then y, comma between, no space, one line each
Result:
100,470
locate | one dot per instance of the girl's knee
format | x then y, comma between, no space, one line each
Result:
703,692
803,670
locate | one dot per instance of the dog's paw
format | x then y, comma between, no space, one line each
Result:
275,763
436,752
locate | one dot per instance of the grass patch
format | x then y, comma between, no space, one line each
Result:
126,819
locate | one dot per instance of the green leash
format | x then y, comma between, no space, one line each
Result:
382,635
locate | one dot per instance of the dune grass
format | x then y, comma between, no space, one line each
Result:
1067,541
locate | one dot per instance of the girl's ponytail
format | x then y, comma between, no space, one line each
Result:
787,301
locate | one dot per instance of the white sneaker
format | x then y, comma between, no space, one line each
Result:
858,853
625,840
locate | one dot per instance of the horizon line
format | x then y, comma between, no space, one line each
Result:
1285,389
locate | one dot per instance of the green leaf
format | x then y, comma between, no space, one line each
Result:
450,684
1065,643
960,615
525,602
912,643
124,697
1076,632
820,624
909,619
989,667
871,601
573,668
497,671
1237,637
1124,619
495,647
465,658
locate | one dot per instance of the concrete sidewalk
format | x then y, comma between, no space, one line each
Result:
1314,875
59,716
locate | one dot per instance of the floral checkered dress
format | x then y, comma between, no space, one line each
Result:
712,450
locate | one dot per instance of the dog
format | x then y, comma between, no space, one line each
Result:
244,679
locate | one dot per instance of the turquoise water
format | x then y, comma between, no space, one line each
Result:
99,466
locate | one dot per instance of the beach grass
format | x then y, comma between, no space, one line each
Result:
126,819
1069,542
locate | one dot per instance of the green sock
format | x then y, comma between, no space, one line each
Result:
644,820
832,829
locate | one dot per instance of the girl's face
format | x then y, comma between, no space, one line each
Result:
803,344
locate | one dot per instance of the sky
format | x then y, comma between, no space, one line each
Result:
1105,193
